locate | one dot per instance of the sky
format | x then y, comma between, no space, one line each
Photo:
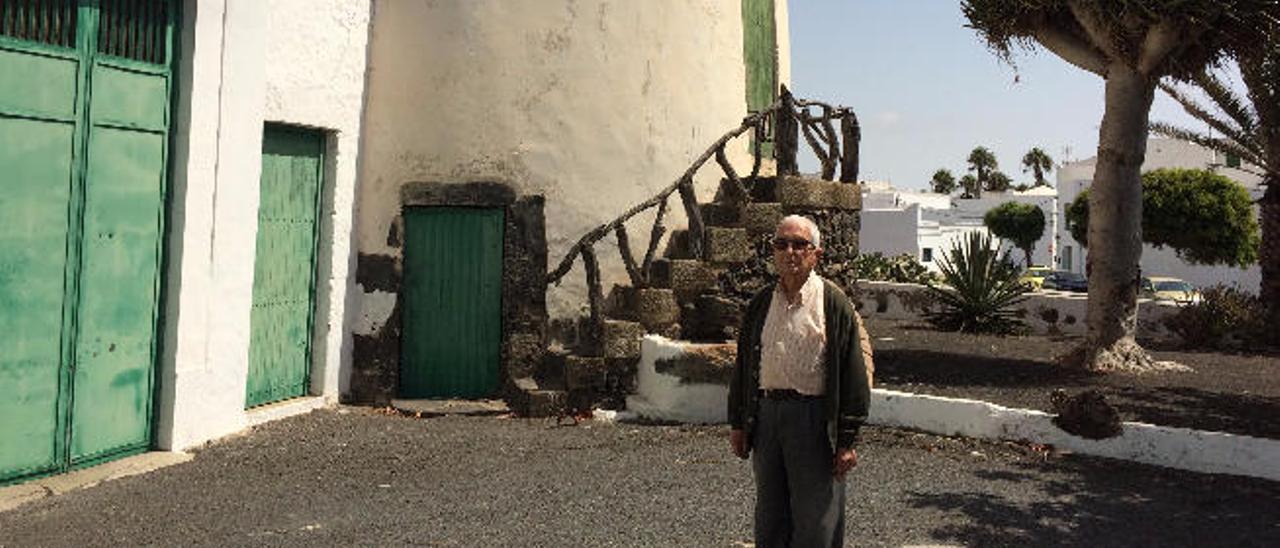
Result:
927,90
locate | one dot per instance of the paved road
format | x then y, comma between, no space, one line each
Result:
356,477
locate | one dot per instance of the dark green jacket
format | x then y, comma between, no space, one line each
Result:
847,394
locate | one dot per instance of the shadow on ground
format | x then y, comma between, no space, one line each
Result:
1095,505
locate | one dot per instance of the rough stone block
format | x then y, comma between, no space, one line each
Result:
803,193
687,278
701,364
622,339
523,353
727,245
721,214
721,245
551,373
582,372
655,308
544,403
711,318
762,218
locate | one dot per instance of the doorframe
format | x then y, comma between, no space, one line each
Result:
377,357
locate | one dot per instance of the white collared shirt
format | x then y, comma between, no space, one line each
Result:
794,341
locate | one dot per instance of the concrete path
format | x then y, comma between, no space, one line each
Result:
353,476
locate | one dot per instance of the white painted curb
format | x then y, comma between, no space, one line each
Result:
665,397
1181,448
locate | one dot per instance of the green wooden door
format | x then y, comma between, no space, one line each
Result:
452,302
84,121
284,269
760,54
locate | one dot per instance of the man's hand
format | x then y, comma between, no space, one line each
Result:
845,460
738,441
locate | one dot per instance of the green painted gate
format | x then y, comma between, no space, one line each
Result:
285,266
452,302
760,54
84,133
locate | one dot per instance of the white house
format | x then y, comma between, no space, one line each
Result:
1074,177
925,225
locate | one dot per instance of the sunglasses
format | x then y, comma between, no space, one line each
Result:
783,244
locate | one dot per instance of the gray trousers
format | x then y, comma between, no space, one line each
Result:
799,504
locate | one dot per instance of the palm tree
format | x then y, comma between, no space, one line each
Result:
1250,129
1132,45
943,182
1038,163
981,162
969,184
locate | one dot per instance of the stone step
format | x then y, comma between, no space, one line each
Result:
687,278
654,308
621,339
756,217
528,399
796,193
711,318
721,245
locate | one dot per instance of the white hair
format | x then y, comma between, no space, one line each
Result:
815,236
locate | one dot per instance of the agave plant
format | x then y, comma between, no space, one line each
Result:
979,289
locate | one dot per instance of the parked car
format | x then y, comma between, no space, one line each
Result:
1066,281
1163,288
1033,278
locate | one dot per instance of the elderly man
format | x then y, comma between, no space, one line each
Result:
799,393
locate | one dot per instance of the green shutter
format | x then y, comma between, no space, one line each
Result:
284,269
760,54
84,138
452,302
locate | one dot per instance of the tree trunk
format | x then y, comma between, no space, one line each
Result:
1027,252
1115,228
1269,255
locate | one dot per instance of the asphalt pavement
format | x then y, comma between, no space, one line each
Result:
353,476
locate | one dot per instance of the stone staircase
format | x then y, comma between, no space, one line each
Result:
685,297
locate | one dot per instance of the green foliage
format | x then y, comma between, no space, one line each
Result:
943,182
1039,163
1022,224
1205,217
1225,318
981,289
1211,30
902,268
997,181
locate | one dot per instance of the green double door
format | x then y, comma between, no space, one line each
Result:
285,265
85,92
452,302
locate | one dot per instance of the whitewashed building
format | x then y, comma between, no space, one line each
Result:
1074,177
926,225
208,203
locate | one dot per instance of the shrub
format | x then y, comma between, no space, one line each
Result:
1225,318
981,289
901,269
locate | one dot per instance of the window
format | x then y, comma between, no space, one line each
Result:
1233,160
926,255
1066,257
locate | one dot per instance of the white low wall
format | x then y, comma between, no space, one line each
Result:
1181,448
668,398
1046,313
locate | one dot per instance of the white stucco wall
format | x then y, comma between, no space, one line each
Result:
891,232
315,60
243,63
594,104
